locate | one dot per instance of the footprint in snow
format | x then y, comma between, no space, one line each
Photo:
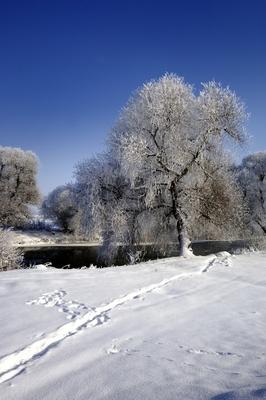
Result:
113,349
99,320
71,308
209,352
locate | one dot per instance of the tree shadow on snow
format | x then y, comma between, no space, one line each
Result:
242,395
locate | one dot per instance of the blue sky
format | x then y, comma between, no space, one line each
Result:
67,67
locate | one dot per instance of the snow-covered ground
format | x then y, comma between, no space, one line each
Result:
167,329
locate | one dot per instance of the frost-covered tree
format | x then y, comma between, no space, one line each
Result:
108,205
60,206
252,179
10,256
170,142
165,168
18,188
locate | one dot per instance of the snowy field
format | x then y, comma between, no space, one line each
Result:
167,329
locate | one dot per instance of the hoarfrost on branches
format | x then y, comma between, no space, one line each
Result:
165,166
18,188
10,256
252,179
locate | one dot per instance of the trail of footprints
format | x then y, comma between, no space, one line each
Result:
117,348
209,352
174,348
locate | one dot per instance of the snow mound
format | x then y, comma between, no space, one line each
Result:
42,267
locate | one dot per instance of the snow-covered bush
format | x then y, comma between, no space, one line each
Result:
10,256
18,188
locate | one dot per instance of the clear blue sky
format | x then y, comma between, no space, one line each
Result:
67,67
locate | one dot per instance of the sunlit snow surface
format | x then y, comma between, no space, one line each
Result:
167,329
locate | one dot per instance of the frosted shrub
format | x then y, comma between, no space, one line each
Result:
10,256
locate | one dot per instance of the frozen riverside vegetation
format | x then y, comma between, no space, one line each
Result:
167,329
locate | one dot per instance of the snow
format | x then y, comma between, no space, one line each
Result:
44,238
166,329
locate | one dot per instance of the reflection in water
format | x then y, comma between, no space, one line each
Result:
79,256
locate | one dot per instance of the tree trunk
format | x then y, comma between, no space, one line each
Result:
183,239
184,242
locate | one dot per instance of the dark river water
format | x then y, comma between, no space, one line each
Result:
78,256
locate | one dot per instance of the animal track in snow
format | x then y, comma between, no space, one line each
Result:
209,352
71,308
222,259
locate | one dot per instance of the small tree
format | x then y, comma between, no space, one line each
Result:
60,206
251,176
18,188
107,203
